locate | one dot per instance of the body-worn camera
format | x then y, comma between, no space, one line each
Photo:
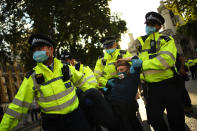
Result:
152,46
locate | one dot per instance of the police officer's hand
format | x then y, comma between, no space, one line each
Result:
182,71
132,70
136,63
124,59
111,83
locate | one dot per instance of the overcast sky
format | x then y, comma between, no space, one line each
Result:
133,12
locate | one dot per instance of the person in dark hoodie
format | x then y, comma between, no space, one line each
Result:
123,98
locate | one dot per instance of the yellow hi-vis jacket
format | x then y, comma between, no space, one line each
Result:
88,75
157,66
105,68
54,95
139,42
195,60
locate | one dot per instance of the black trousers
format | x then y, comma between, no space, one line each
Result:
193,72
161,96
185,95
97,110
74,121
125,115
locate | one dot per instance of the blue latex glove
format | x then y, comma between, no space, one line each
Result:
136,63
132,70
105,89
111,82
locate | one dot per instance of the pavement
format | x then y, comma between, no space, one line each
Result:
191,120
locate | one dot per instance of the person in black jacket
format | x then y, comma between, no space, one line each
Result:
123,98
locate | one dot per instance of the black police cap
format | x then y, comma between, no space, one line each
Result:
108,41
154,17
40,40
65,55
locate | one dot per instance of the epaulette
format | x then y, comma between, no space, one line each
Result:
29,73
165,37
123,51
144,37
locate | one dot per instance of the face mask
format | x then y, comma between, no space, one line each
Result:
110,51
150,30
40,56
122,75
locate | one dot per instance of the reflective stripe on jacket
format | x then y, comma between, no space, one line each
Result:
54,95
105,68
157,66
89,76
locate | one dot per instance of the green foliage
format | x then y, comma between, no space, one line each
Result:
189,29
76,25
186,9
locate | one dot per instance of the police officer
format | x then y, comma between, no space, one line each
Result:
97,110
52,84
183,76
88,73
157,59
192,69
105,68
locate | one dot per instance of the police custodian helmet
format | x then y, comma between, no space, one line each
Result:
40,40
108,41
155,18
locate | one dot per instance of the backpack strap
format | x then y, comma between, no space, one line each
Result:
77,66
66,72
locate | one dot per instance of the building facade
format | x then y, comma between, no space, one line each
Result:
185,45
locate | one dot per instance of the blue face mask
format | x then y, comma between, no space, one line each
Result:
150,30
122,75
110,51
40,56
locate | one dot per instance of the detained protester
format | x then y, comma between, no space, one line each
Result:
156,60
52,84
123,98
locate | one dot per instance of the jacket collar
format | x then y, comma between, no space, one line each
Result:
40,68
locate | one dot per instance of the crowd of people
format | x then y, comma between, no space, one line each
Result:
73,97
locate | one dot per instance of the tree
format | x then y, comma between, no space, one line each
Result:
76,25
